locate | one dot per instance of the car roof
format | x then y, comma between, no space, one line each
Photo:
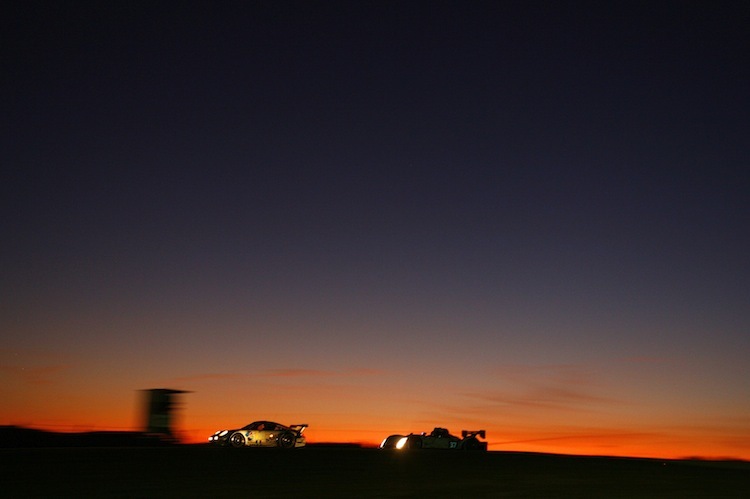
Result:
264,423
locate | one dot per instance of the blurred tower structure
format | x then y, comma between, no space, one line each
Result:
160,405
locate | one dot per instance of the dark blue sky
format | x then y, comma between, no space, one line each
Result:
556,182
621,120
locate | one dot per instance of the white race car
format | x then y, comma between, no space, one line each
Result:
262,434
439,438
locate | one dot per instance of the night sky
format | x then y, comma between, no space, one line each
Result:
381,216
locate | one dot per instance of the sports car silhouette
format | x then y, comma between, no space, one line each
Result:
439,438
261,434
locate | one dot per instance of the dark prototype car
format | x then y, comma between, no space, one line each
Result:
439,438
261,434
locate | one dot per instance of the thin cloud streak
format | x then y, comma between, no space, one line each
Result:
42,375
567,373
210,377
294,373
592,436
280,373
566,387
548,398
648,359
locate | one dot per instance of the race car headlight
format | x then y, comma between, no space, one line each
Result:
223,432
401,442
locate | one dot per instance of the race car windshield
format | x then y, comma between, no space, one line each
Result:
261,425
257,425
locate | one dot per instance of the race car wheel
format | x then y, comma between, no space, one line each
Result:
287,440
415,443
237,440
471,444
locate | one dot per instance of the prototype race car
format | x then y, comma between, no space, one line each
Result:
262,434
439,438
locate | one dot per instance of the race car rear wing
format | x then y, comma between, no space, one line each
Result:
299,428
468,433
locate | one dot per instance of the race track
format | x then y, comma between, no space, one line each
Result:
202,471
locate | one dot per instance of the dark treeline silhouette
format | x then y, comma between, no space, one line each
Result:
16,436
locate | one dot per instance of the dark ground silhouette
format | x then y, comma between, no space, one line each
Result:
137,470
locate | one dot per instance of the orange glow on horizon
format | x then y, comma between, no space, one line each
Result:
363,407
617,444
622,446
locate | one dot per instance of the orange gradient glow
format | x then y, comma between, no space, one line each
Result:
528,218
365,405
